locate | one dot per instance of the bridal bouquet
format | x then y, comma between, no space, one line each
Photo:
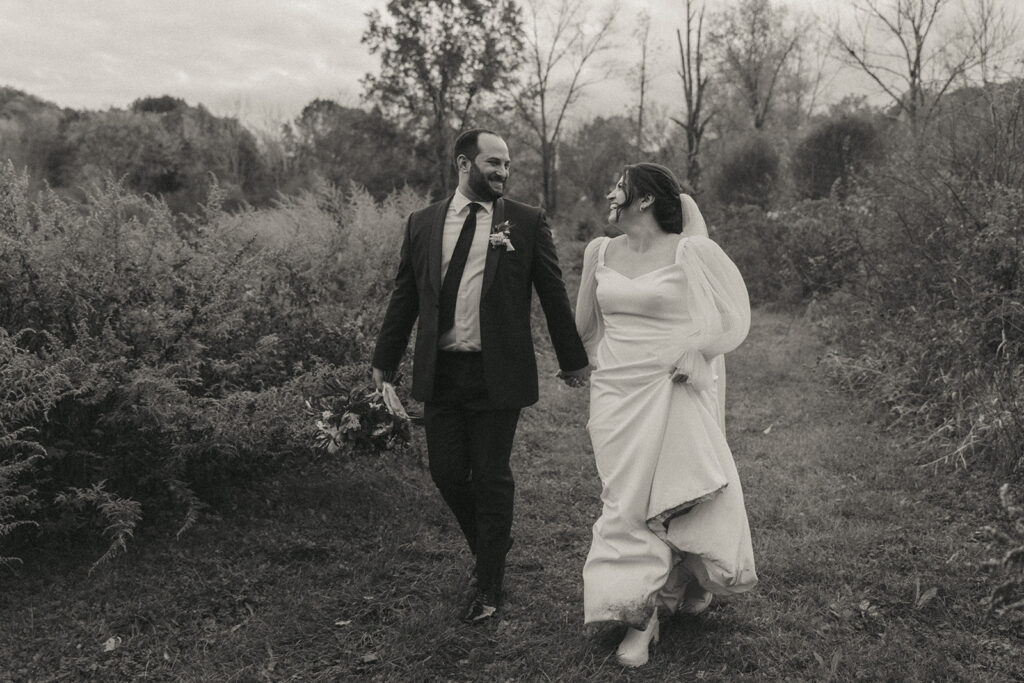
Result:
360,421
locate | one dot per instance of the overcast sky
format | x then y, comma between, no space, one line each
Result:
261,60
265,57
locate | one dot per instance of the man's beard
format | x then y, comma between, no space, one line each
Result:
480,187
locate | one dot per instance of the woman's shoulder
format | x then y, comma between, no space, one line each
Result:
595,244
696,240
700,244
705,253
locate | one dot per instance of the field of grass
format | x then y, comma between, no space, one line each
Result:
869,565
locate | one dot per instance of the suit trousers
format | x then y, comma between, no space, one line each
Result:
469,443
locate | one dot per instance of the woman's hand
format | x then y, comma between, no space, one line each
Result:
680,377
693,369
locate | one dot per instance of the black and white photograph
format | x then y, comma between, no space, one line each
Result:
390,340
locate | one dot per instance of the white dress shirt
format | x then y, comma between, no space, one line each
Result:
465,334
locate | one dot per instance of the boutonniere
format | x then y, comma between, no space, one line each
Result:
501,235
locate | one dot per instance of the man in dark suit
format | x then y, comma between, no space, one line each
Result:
467,271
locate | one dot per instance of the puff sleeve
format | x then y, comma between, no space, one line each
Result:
718,301
588,312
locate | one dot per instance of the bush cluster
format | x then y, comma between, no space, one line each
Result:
916,261
828,158
749,173
149,361
933,323
788,255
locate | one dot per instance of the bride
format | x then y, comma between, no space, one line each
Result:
657,308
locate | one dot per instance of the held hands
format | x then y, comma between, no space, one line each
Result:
575,378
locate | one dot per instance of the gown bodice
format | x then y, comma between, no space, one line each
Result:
646,318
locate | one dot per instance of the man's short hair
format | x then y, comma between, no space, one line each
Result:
466,144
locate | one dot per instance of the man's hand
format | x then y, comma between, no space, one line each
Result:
575,378
378,378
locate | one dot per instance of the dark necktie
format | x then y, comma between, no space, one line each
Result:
452,278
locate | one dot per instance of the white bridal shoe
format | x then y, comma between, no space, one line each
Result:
634,649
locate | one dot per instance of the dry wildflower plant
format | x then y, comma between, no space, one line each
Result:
1007,598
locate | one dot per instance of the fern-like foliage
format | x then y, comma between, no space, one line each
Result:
14,496
1007,598
118,515
29,388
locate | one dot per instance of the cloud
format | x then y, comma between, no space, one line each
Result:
261,60
267,53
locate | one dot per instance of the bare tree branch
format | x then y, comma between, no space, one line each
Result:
901,51
754,42
695,84
561,49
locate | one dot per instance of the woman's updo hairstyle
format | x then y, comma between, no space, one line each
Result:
641,180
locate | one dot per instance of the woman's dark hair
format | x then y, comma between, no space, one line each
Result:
641,180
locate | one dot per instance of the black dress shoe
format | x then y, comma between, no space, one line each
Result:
481,608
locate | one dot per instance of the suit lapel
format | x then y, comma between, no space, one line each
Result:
434,245
491,264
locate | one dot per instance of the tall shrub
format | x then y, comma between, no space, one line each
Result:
749,174
831,154
938,333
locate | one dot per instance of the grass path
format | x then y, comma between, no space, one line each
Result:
868,566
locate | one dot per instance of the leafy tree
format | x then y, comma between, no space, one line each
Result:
594,155
832,152
159,105
348,144
749,173
164,147
754,42
125,145
438,59
208,144
30,132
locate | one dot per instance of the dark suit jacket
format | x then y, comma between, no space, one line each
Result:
510,366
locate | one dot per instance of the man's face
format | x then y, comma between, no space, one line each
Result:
488,173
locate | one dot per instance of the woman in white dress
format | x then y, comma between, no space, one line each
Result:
658,307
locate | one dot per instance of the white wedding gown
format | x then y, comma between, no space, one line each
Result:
672,502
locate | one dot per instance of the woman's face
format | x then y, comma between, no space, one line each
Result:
615,200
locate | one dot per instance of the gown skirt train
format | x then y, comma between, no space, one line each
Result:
673,508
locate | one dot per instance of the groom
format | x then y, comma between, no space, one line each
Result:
467,269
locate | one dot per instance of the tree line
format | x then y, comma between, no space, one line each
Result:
751,77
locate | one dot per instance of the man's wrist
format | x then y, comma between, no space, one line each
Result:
385,375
